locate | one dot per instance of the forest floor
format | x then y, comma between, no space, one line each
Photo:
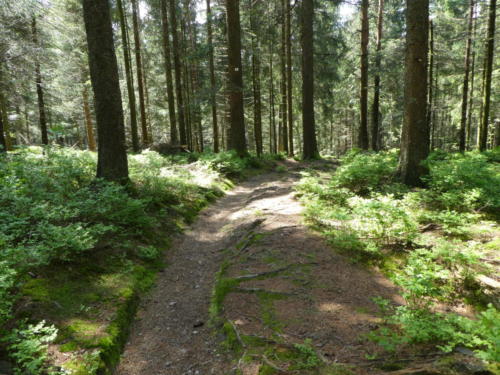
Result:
281,299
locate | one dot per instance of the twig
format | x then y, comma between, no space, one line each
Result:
237,334
274,366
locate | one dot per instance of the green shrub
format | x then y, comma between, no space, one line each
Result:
451,222
409,326
364,172
28,347
383,219
464,182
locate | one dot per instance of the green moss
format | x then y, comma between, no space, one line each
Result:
70,346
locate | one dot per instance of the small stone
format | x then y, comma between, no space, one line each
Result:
173,303
198,323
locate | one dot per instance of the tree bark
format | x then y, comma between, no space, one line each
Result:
88,120
415,135
7,142
111,156
213,88
129,77
3,144
376,91
257,105
39,88
237,139
283,107
310,149
272,114
430,106
363,128
139,72
174,138
465,88
177,72
490,43
289,76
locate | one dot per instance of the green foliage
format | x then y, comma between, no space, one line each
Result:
28,347
446,331
7,280
365,214
363,172
92,244
452,223
464,182
307,357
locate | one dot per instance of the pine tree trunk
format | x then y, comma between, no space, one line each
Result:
363,129
415,134
3,144
7,142
88,120
177,72
237,139
465,88
139,72
272,114
483,131
257,105
430,107
376,91
111,157
129,77
289,77
39,89
283,108
471,102
213,88
310,150
174,138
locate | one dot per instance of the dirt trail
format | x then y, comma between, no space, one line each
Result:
255,228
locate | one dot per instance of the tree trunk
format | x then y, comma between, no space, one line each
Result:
483,131
237,140
111,157
129,77
3,144
140,75
309,132
88,120
39,88
465,88
174,139
283,108
376,91
471,102
430,107
415,135
177,72
7,142
363,128
257,105
272,115
289,77
213,88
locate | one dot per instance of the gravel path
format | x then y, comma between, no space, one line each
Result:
171,334
332,307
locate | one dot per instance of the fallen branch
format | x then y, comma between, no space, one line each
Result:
273,366
242,343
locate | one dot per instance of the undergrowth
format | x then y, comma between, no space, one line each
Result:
431,242
76,252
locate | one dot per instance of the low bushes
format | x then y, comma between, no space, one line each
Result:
73,248
424,239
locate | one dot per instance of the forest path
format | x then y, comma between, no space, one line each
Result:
314,294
